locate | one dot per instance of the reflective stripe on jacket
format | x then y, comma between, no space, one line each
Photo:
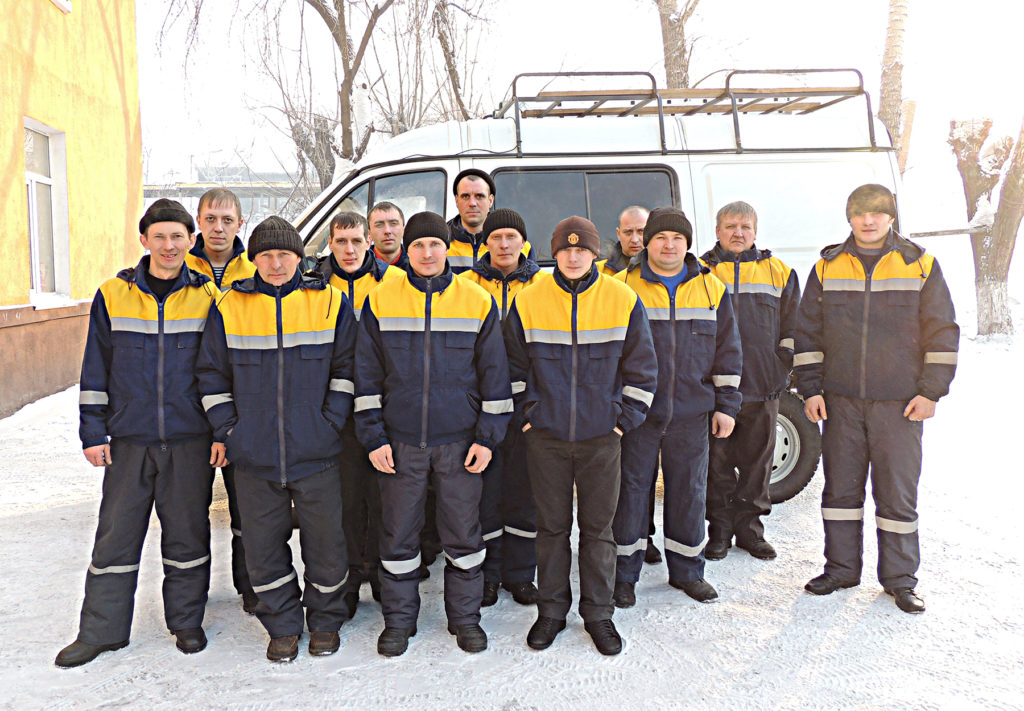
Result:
887,335
275,373
696,339
765,295
432,365
582,362
139,370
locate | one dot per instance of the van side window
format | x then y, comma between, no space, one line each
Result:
412,192
544,197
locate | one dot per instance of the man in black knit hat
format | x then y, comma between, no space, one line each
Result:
433,400
275,373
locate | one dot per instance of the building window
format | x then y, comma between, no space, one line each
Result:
47,198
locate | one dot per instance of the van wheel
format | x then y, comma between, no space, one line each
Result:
797,449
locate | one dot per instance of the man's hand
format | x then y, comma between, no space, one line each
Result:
99,455
481,454
527,427
920,408
722,424
814,408
218,454
382,460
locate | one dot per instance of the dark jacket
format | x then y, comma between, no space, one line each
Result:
238,267
504,288
139,370
615,263
765,295
357,285
275,373
432,366
695,335
582,361
467,249
887,335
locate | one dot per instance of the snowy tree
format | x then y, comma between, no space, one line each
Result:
896,114
678,47
993,176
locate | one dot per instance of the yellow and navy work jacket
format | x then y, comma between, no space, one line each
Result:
238,267
765,296
504,288
275,373
139,371
582,360
466,249
432,365
889,334
357,285
615,263
698,344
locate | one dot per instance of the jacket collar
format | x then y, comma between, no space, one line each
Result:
585,283
256,285
690,265
524,271
435,285
460,233
327,266
197,250
137,274
895,242
618,259
717,255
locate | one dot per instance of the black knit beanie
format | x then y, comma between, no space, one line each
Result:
870,198
503,219
274,233
166,210
575,231
473,173
426,224
668,219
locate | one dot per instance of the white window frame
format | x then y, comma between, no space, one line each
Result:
58,182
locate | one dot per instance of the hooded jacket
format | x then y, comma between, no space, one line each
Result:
695,335
765,295
238,266
890,334
432,365
504,288
139,370
582,361
275,373
357,285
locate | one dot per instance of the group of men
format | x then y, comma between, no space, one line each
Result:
425,357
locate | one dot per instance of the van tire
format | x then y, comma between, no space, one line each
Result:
797,449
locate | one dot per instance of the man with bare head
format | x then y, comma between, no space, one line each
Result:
387,225
631,240
474,196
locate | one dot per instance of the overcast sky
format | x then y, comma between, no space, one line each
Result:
220,121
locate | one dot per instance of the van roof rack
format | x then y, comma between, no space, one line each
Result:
649,100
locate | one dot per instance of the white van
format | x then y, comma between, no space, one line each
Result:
792,143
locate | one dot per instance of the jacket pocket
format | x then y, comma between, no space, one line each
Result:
247,369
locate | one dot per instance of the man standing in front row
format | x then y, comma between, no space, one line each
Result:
433,400
765,295
699,365
582,359
275,373
140,419
877,343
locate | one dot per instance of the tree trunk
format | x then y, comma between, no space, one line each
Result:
993,243
441,25
674,43
892,74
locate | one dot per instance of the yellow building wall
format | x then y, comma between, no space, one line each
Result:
77,73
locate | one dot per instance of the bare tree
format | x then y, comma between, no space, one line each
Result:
891,108
983,167
678,47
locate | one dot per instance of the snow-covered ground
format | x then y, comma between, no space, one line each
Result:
765,644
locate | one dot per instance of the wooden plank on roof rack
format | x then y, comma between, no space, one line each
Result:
595,94
797,91
671,109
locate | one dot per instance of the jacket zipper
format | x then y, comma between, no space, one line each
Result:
575,373
672,379
504,300
426,369
280,391
160,360
864,330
